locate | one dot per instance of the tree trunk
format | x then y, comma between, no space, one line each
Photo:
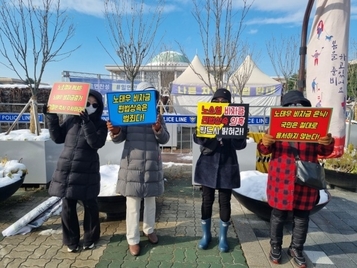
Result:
34,123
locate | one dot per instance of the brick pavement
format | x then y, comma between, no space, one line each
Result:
332,238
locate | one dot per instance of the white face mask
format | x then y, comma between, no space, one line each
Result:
90,109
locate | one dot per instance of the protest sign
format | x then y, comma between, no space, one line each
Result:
132,108
300,124
224,120
68,98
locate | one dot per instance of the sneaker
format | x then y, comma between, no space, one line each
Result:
275,254
298,257
88,247
73,249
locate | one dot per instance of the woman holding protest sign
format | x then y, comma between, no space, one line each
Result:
217,168
77,175
140,174
283,193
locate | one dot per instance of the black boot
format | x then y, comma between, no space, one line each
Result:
277,220
300,228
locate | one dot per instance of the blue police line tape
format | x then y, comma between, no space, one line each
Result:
169,119
11,117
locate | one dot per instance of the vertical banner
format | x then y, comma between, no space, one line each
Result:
327,64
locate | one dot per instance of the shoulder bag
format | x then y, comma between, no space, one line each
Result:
308,173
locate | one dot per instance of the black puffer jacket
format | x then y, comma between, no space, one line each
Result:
77,174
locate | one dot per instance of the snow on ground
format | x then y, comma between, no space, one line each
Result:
25,135
253,185
10,172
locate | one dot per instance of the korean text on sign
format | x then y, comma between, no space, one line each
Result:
222,120
132,108
68,97
303,124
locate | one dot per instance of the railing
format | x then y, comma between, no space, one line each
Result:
183,132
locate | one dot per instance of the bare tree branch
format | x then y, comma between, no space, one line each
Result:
220,30
243,66
132,28
284,55
31,36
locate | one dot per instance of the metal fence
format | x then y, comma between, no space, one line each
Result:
10,112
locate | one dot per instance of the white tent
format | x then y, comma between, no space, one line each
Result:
260,90
188,89
195,75
257,77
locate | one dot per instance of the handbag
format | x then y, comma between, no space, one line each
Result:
309,173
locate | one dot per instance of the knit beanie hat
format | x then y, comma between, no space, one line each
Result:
222,93
293,97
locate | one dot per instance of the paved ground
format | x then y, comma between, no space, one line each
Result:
332,239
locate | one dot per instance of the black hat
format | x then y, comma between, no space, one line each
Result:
222,93
293,97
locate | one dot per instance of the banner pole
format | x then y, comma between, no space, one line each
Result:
303,48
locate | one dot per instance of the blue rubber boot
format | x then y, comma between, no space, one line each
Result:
206,230
223,244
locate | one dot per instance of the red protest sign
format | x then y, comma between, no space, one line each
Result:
303,124
68,97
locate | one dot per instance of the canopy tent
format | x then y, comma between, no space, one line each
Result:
260,91
188,89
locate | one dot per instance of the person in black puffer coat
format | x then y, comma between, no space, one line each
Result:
77,175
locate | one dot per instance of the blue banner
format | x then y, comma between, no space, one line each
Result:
104,85
184,89
25,118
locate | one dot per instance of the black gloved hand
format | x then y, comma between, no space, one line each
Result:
47,113
84,116
45,109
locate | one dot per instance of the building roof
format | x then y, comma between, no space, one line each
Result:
169,58
8,80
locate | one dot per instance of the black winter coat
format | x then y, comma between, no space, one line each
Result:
217,167
77,174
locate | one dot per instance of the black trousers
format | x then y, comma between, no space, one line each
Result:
299,229
224,199
70,223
